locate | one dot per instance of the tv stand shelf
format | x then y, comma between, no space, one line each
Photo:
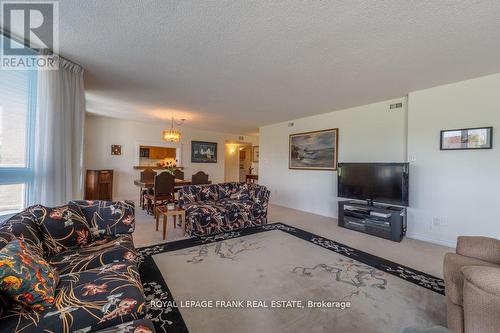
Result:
382,221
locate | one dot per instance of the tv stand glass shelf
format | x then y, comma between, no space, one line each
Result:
379,220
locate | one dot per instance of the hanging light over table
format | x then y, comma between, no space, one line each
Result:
172,135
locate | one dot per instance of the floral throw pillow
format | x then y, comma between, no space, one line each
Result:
63,228
26,277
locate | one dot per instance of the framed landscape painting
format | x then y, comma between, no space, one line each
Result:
203,152
467,138
314,150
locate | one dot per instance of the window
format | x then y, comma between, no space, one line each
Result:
17,105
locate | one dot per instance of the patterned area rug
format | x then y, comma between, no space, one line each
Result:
276,263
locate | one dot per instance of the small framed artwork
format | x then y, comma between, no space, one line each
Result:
467,138
116,149
203,152
316,150
255,154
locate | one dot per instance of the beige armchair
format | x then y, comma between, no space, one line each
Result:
472,279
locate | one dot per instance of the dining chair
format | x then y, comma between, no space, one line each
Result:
163,192
199,178
179,174
146,176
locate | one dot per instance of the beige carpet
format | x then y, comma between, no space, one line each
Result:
423,256
275,266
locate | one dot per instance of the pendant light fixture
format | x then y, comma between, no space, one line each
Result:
172,135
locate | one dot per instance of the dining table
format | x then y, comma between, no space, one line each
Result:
151,184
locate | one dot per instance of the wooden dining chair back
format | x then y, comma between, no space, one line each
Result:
164,184
148,175
179,174
163,192
199,178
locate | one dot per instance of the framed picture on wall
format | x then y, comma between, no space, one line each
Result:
255,154
467,138
116,149
316,150
203,152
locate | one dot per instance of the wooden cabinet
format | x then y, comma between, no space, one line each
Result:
159,153
99,185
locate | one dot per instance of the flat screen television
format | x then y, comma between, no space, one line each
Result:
375,182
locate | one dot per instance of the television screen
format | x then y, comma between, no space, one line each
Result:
378,182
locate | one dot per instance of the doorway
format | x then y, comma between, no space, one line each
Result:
237,162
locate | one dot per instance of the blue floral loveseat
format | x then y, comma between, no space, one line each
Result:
71,269
221,207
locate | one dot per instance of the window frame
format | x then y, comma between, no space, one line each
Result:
24,175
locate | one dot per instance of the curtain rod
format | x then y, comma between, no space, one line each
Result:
7,34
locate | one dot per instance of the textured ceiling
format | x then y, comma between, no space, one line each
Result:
236,65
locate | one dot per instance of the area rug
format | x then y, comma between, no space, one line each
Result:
278,278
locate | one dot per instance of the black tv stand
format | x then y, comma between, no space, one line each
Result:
388,222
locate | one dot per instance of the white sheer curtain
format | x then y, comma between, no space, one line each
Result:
59,125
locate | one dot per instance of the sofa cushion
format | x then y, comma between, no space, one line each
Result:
87,301
24,225
26,277
252,209
136,326
207,209
232,205
108,218
101,252
194,193
207,192
234,191
63,228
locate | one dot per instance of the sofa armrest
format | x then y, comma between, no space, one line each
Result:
186,196
482,248
481,299
484,278
261,195
453,277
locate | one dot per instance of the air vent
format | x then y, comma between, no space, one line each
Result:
396,106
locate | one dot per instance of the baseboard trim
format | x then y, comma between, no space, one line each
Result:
432,240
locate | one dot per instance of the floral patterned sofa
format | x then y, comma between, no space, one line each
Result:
221,207
87,245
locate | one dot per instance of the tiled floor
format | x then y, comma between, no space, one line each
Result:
419,255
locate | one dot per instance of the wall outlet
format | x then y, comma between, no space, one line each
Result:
438,222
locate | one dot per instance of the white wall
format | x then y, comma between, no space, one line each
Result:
102,132
451,192
454,192
366,133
